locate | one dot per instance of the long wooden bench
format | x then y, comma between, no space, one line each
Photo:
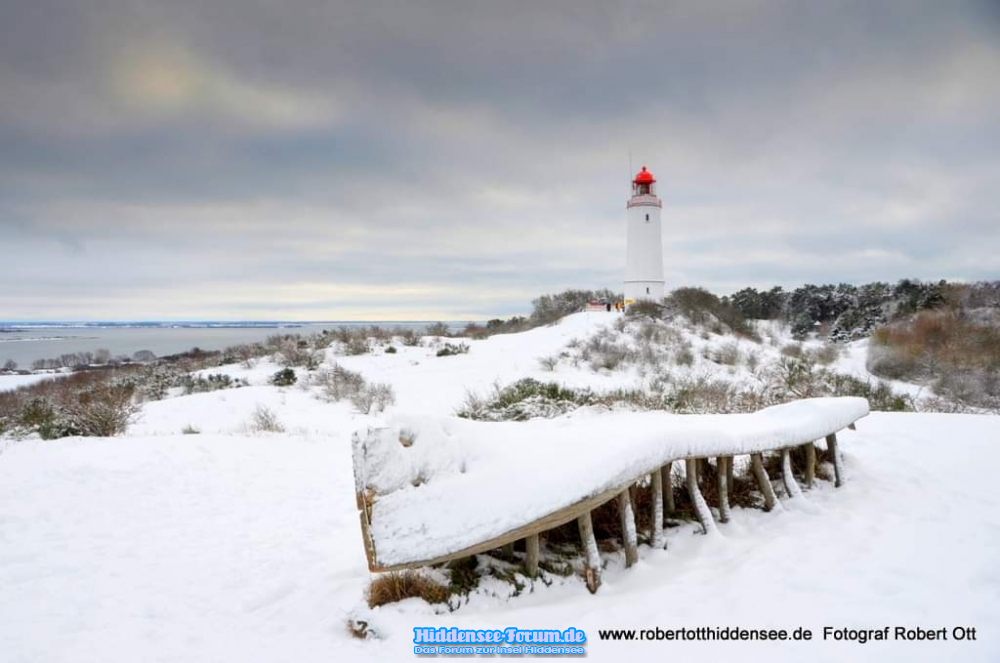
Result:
431,490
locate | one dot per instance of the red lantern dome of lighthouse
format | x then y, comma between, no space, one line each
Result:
644,177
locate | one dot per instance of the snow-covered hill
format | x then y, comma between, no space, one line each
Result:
233,544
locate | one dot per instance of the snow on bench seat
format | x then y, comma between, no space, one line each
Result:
430,488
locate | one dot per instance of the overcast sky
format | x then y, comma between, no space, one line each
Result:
308,159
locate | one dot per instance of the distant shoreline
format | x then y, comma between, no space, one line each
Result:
8,327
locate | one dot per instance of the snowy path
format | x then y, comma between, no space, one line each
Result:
215,548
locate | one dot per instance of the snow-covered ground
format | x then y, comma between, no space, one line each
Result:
11,382
239,546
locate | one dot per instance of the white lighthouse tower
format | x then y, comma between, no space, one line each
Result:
644,262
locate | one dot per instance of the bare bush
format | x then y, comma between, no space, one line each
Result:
438,329
296,352
549,363
264,420
374,398
89,403
957,353
684,356
825,354
338,383
727,354
407,337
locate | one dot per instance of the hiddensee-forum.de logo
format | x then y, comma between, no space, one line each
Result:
492,642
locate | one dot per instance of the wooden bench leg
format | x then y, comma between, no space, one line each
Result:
592,572
763,483
668,488
722,464
810,450
838,470
629,537
657,538
791,486
697,499
730,473
531,559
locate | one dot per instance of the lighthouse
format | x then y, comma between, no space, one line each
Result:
644,252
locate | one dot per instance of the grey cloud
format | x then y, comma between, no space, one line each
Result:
146,146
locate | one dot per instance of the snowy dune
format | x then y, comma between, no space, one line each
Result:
204,548
241,547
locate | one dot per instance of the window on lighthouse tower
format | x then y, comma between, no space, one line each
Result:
647,218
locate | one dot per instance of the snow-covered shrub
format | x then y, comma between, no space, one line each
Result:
727,354
793,377
390,350
338,383
705,309
522,400
102,412
264,420
704,395
322,340
284,378
243,353
451,349
549,308
92,403
971,389
295,351
880,395
373,398
794,350
357,345
156,381
39,414
802,325
199,384
645,308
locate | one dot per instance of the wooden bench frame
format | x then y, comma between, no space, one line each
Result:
660,477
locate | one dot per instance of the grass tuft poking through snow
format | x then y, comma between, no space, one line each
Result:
397,586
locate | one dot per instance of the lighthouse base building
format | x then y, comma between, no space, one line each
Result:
644,252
